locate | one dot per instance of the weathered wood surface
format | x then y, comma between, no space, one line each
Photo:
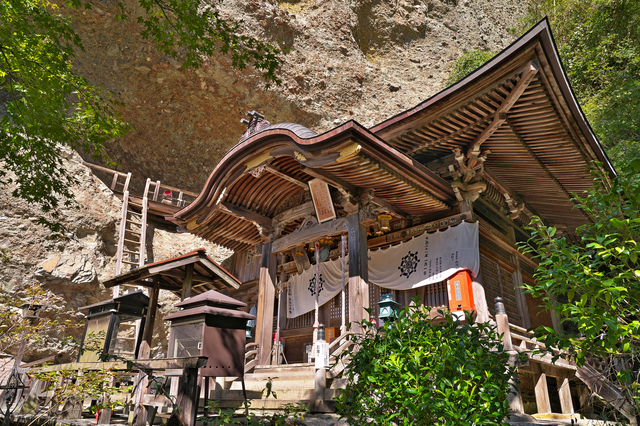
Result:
602,387
151,364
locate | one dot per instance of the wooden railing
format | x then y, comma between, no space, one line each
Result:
159,192
250,356
304,320
40,394
119,181
154,190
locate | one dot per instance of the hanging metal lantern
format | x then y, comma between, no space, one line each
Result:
383,220
388,309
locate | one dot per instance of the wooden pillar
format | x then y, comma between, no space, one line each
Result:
542,394
188,282
502,322
266,296
358,273
520,296
151,312
187,399
564,392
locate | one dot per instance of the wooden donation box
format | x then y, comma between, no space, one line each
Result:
112,327
210,325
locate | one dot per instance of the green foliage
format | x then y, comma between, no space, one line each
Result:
594,286
425,370
14,328
468,63
599,44
49,106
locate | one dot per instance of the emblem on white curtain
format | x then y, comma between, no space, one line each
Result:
409,264
312,285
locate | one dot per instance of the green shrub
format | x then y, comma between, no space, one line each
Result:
468,63
428,371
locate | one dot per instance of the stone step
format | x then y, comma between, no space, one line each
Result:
275,384
258,397
314,406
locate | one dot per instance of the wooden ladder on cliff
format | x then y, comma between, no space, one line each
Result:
131,236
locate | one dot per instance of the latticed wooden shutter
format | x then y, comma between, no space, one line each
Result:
498,272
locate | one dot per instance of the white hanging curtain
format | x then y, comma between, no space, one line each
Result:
301,294
426,259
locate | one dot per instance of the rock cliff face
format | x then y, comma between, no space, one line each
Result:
356,59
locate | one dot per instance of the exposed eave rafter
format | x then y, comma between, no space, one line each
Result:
528,74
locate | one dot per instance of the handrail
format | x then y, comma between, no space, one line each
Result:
103,169
340,339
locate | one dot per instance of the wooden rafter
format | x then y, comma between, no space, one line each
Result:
528,74
277,172
246,214
545,169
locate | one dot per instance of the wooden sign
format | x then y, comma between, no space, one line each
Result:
322,200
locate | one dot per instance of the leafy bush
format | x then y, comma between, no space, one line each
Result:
594,285
468,63
425,370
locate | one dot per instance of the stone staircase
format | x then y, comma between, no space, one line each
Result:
292,384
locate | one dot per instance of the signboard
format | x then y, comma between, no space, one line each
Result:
322,200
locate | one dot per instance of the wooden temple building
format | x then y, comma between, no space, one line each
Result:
507,142
483,156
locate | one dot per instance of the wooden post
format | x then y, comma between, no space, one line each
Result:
141,383
502,322
564,392
358,273
542,395
151,311
187,400
188,282
266,297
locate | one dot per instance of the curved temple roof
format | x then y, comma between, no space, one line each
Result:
512,125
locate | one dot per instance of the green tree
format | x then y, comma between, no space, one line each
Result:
599,44
48,106
428,371
467,63
593,285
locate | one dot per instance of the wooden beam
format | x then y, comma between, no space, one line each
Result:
528,74
188,282
266,298
294,213
331,179
277,172
313,233
151,312
181,275
564,392
393,210
358,273
245,214
224,275
468,128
